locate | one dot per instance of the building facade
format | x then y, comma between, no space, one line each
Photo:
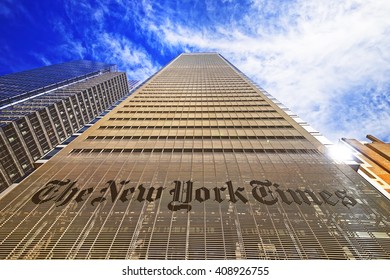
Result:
198,163
45,106
374,160
25,84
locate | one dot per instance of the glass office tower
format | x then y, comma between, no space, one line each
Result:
21,85
198,163
43,107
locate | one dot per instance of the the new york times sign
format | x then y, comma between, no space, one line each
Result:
184,194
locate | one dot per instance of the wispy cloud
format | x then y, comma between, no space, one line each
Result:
328,61
69,46
12,9
5,10
102,39
131,58
42,58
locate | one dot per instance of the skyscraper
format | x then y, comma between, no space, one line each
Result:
198,163
43,107
21,85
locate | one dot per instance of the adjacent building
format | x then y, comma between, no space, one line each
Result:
21,85
198,163
374,160
43,107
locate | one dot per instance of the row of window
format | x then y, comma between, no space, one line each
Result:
247,110
183,105
189,95
200,89
192,137
188,118
197,100
192,126
196,150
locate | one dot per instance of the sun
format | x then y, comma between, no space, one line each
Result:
340,152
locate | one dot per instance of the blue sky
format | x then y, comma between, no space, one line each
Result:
328,61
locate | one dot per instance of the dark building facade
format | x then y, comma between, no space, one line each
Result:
56,102
198,163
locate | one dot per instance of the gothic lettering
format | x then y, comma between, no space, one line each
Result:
50,189
326,196
282,194
265,192
235,194
178,192
306,199
141,193
151,190
124,194
67,195
113,191
80,196
202,194
217,194
260,186
346,199
294,196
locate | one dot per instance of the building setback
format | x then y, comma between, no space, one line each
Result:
61,99
198,163
375,160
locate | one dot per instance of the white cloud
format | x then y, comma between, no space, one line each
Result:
106,43
130,58
70,46
5,11
311,56
42,58
12,9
